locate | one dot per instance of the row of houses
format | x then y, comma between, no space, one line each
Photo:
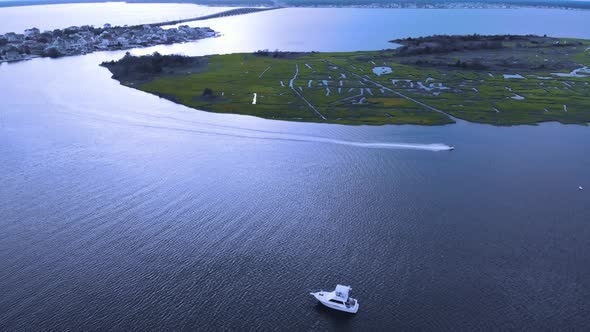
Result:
86,39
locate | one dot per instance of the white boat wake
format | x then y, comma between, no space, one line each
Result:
426,147
381,145
266,135
435,147
178,123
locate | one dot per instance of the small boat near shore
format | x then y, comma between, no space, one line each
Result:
338,299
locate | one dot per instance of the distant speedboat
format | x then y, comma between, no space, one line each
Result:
338,299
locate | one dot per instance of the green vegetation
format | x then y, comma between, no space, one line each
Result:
428,81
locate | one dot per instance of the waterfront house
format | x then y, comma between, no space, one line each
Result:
13,55
32,32
71,30
12,37
34,46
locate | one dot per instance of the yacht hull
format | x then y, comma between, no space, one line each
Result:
320,296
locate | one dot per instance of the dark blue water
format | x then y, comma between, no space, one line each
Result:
123,211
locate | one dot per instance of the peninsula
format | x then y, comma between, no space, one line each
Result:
86,39
500,80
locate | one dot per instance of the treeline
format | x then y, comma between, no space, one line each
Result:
275,54
472,37
473,64
452,47
446,44
280,54
152,64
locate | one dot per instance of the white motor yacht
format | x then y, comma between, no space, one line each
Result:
338,299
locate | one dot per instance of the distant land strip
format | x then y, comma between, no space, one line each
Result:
231,12
428,4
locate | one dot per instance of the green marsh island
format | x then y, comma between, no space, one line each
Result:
500,80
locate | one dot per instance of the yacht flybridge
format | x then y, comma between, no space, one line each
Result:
338,299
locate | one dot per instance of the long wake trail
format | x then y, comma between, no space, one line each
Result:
408,146
435,147
171,123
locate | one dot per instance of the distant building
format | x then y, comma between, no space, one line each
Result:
13,55
71,29
34,46
32,32
11,37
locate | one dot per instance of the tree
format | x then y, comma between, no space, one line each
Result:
208,93
51,52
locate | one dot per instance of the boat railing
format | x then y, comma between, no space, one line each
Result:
350,303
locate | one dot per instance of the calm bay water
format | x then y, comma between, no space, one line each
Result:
120,210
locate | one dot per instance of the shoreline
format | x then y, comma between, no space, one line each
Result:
88,39
571,5
80,40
